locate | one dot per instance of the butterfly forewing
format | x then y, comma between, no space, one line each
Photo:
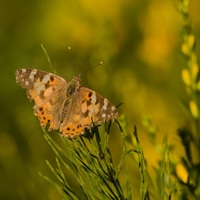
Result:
45,89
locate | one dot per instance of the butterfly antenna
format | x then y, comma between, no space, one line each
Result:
100,63
71,60
48,58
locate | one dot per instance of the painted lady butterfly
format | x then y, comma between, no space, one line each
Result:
64,106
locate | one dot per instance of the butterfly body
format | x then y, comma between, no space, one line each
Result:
64,106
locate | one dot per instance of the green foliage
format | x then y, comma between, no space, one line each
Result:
89,160
190,135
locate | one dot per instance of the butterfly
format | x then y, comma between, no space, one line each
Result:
64,106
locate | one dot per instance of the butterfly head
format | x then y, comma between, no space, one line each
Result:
73,86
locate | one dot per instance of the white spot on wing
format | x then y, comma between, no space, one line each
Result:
32,74
26,83
93,98
103,115
40,88
46,78
105,105
113,108
23,70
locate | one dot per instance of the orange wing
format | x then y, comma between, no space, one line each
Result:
87,107
45,89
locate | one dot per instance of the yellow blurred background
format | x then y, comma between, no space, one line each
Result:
139,45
